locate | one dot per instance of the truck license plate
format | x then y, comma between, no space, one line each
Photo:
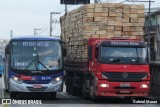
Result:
125,85
37,86
124,91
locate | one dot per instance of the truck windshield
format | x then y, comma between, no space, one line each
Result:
36,55
127,55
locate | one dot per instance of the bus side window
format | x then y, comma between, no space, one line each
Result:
7,50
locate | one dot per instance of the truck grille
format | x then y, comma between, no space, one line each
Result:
124,76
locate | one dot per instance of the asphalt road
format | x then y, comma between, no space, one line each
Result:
67,100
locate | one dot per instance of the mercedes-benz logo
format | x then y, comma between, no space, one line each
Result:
125,75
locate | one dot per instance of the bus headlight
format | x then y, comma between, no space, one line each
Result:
17,79
56,80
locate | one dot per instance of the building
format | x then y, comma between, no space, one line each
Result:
154,33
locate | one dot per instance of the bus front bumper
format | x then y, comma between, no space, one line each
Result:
23,87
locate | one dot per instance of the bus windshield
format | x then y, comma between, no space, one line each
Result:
127,55
36,55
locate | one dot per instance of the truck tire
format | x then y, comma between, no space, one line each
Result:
68,89
129,98
84,92
92,91
72,87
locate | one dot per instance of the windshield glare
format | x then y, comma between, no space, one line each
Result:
123,55
36,55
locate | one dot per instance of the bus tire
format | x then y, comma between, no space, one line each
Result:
6,90
0,75
53,95
13,95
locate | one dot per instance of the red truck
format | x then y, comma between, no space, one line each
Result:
114,67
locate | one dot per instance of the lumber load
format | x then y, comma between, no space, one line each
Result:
102,20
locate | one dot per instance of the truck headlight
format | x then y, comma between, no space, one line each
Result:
104,85
144,86
56,80
17,79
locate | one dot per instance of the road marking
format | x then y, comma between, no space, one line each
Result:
65,95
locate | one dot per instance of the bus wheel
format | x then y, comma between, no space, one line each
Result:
53,95
13,95
6,90
0,75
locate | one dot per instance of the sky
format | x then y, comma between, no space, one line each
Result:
23,16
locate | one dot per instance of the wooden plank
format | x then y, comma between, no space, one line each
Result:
118,28
103,36
126,28
95,36
97,14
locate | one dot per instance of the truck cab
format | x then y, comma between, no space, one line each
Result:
119,67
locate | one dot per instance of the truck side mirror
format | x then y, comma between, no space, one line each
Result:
64,52
89,52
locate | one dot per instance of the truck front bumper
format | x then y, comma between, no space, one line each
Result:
115,88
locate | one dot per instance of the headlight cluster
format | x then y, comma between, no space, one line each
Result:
17,79
56,80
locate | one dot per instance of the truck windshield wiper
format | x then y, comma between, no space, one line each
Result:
115,60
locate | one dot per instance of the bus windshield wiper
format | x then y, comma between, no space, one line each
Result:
42,64
29,64
39,62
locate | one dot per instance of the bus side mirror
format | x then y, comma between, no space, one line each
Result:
64,52
3,60
8,49
90,53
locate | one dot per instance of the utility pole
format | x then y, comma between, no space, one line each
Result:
149,25
11,33
51,21
35,31
95,1
65,8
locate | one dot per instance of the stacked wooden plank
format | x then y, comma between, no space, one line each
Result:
103,20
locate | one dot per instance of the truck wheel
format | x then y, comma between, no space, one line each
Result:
92,91
67,86
13,95
84,93
129,98
72,87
